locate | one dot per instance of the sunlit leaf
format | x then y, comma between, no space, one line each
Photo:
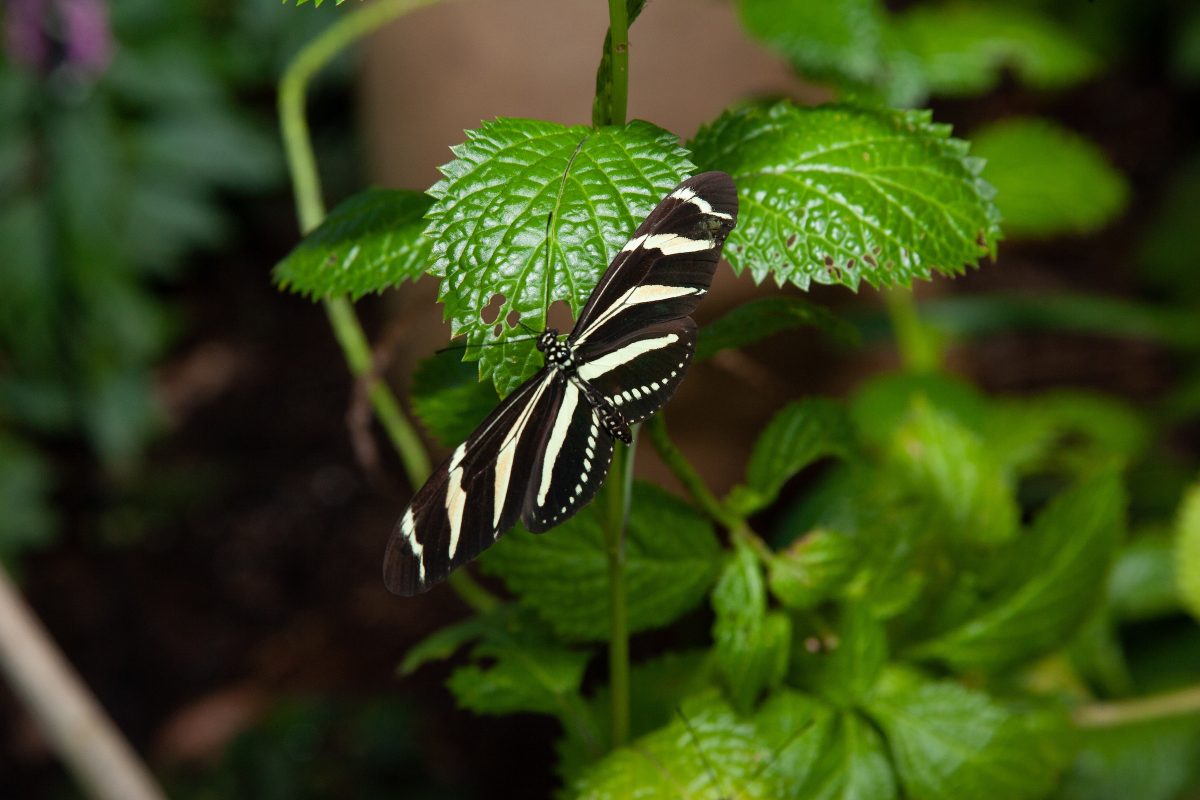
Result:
1187,551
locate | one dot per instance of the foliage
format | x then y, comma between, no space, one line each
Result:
926,585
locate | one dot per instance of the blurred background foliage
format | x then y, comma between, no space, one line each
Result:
129,130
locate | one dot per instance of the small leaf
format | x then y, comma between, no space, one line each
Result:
839,194
449,398
369,243
1048,180
949,742
813,569
1057,575
1187,551
798,435
1171,230
844,670
671,558
963,48
534,212
1142,583
881,404
767,316
947,464
825,40
751,645
442,643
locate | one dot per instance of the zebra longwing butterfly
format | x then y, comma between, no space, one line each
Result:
542,454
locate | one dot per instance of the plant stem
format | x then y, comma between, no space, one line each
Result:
310,208
1127,712
918,346
618,28
103,763
616,517
693,484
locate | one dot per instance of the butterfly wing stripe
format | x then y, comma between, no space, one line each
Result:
688,195
509,447
558,437
623,355
672,244
647,293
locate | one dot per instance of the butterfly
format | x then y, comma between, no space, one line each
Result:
543,453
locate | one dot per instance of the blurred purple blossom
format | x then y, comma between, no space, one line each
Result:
45,34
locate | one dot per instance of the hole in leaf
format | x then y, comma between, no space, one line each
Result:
496,331
829,261
791,241
559,316
512,319
491,312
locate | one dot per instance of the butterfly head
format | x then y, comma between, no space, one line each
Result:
557,353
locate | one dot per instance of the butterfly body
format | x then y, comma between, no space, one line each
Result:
543,453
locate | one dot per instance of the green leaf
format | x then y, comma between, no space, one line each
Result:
767,316
526,673
442,643
1049,180
671,558
25,483
1172,234
844,670
1187,551
881,404
963,48
801,433
841,39
534,212
944,462
1142,583
1057,573
705,753
949,742
750,645
449,399
813,569
369,243
1155,760
839,194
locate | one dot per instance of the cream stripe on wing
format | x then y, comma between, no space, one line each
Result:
408,527
558,436
672,244
508,452
623,355
651,293
688,196
456,497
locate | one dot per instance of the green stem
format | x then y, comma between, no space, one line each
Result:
918,346
693,484
617,497
310,208
1142,709
618,28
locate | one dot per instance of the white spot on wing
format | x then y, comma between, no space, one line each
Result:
408,527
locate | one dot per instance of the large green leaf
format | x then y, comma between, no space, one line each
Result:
949,742
369,243
534,211
1187,551
1057,572
941,460
767,316
798,435
751,645
840,194
1157,759
1048,180
671,558
963,48
813,569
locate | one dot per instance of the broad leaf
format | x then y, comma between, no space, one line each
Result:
842,39
963,48
1187,551
813,569
798,435
758,319
449,398
831,755
949,742
1048,180
840,194
369,243
943,462
844,668
1155,760
881,404
671,559
1142,584
534,211
751,644
1056,576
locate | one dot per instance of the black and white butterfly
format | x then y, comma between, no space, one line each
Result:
542,454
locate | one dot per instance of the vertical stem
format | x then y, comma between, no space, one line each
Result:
310,208
618,28
917,343
617,495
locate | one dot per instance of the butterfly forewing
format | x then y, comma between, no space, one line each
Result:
545,450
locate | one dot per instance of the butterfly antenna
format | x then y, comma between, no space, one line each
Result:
468,346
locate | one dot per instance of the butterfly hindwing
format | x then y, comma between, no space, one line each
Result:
639,373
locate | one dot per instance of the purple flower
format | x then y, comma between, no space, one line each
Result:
44,35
